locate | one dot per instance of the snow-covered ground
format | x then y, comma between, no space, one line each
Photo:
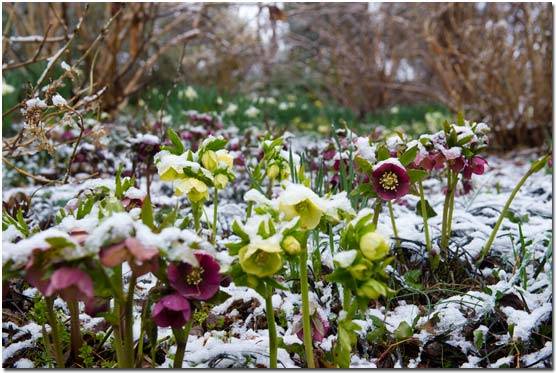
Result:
515,293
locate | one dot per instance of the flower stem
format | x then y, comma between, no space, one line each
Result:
425,217
331,238
376,211
215,216
196,209
303,277
446,211
54,325
451,207
486,248
393,221
181,335
75,331
128,341
271,322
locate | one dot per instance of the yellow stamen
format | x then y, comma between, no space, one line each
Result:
389,180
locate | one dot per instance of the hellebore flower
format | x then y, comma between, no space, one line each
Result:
196,190
142,259
224,157
475,165
319,326
373,246
220,181
298,200
260,259
200,282
96,305
373,289
72,284
390,179
209,160
171,310
170,166
34,274
433,161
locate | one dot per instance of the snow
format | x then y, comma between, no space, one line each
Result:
345,258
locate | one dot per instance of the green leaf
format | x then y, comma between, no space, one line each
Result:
417,175
408,156
404,331
430,211
382,153
59,242
275,284
147,213
238,231
178,147
119,192
478,339
412,278
539,164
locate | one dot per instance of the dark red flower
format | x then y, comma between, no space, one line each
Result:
72,284
171,310
319,327
390,180
475,165
96,305
433,161
200,282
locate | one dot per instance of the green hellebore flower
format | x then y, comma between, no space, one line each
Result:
262,260
291,245
224,157
298,200
372,289
220,181
196,190
358,271
209,160
373,246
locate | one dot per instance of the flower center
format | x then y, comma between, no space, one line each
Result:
195,276
261,258
302,207
389,180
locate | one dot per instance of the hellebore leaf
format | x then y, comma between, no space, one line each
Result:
430,211
417,175
59,242
382,153
147,213
408,156
404,331
177,147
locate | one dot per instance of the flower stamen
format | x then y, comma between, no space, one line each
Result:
389,180
195,276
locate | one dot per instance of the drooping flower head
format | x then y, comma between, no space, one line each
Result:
319,325
195,189
141,258
298,200
171,310
72,284
196,282
390,179
261,258
475,165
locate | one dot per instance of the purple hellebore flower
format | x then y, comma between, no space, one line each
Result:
34,273
96,305
390,180
142,259
475,165
319,327
171,310
200,282
72,284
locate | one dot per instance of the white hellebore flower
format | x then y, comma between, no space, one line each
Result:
190,93
231,109
252,112
298,200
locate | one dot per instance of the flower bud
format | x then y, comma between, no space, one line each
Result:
291,245
373,246
372,289
273,171
209,160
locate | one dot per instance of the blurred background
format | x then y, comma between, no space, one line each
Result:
296,66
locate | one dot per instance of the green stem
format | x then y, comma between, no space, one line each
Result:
347,299
118,312
249,209
128,342
196,209
425,216
331,238
393,221
75,330
304,282
215,216
486,248
376,211
54,325
451,207
181,335
272,336
144,313
445,212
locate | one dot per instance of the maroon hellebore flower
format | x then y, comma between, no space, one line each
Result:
390,180
96,305
34,272
433,161
475,165
142,259
319,327
200,282
171,310
72,284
